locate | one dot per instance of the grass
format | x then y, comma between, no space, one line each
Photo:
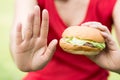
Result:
8,70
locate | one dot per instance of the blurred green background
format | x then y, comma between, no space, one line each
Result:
8,70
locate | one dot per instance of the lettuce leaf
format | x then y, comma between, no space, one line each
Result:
80,42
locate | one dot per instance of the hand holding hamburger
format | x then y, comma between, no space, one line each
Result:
108,57
82,40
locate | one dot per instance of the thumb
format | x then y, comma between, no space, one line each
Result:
51,49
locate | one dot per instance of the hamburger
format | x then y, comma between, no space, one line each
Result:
82,40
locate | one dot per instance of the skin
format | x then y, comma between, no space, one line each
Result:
109,57
29,37
28,42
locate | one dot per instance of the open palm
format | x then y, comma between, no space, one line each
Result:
29,45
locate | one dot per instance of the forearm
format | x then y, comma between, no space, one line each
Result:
116,19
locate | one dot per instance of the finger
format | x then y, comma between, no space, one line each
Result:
19,33
51,48
109,40
36,28
44,25
96,25
43,60
28,28
91,23
102,28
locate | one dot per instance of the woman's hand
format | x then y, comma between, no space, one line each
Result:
109,58
29,48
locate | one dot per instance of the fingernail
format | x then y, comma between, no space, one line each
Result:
36,6
55,40
45,11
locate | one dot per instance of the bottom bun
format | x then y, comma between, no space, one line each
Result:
76,49
82,52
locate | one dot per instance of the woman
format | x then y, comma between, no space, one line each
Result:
30,36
